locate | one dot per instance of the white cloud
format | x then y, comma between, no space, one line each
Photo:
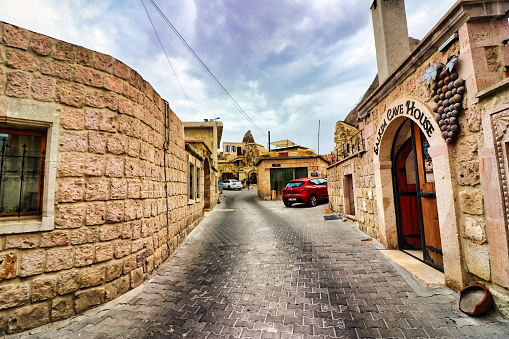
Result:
287,64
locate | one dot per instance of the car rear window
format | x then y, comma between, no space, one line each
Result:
295,184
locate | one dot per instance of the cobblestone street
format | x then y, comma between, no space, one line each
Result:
255,269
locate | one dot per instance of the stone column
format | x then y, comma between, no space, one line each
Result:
483,56
454,270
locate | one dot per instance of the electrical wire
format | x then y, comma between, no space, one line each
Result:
167,58
233,101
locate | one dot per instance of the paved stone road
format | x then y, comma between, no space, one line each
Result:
255,269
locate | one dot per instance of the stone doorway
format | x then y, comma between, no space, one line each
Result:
415,202
410,108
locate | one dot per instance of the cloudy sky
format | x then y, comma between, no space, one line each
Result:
287,63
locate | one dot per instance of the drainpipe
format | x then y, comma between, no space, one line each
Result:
166,147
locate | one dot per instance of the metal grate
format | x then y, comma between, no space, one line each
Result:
332,217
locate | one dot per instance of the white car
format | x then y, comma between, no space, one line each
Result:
232,184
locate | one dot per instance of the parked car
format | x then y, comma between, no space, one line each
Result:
232,184
305,190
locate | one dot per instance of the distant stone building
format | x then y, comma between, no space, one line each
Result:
96,183
205,137
277,168
237,161
426,171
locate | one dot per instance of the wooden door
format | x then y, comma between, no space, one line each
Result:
301,172
350,194
279,178
432,245
409,226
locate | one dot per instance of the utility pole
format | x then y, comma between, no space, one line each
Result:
269,141
318,137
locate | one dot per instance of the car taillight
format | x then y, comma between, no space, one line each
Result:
304,189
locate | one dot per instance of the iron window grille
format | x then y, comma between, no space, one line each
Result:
191,187
198,175
22,159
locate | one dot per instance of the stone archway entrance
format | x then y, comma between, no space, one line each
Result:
253,178
396,114
415,196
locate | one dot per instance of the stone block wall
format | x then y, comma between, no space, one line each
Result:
365,205
335,188
117,214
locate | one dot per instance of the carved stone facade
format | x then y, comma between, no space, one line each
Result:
469,175
500,124
238,159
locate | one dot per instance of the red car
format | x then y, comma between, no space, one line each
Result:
305,190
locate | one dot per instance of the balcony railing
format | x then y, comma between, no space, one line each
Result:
351,147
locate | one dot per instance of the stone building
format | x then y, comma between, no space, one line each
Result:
209,131
206,172
277,168
195,182
237,161
94,174
205,138
428,171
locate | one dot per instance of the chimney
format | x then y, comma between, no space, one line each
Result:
391,35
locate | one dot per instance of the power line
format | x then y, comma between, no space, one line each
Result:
164,50
233,101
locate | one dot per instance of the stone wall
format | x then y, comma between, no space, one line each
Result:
494,108
335,188
364,192
116,214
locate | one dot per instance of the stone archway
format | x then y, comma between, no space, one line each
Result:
253,177
389,123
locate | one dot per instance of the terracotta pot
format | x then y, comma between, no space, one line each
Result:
475,300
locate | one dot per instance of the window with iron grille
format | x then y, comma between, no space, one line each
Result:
191,186
198,178
22,158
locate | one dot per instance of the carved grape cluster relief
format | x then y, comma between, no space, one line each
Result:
448,91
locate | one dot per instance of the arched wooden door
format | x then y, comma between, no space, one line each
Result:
409,232
418,226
